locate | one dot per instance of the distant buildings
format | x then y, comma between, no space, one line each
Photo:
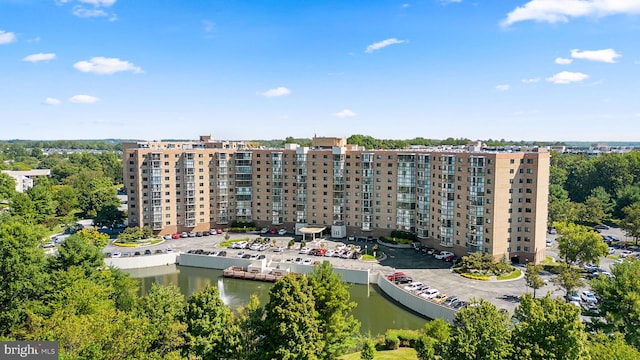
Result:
460,199
25,179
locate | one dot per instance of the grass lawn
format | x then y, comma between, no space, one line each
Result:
368,258
400,354
514,274
548,260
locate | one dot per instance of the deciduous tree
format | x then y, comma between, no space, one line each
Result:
578,244
631,221
548,329
479,332
332,302
290,327
568,279
533,278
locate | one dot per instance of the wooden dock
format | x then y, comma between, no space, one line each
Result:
239,273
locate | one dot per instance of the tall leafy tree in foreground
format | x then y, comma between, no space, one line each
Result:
479,332
332,302
568,279
620,303
608,347
78,251
24,278
548,329
210,334
578,244
164,307
290,329
249,321
533,278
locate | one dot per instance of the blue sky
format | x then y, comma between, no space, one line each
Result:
512,69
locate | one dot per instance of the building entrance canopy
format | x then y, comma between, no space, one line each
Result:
311,230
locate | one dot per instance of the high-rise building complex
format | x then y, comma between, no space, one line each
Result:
460,199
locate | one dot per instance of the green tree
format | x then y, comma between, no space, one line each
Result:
578,244
66,199
7,186
109,216
249,322
290,327
605,347
631,221
434,338
23,208
164,307
479,332
568,279
93,237
548,329
77,250
24,278
335,318
42,199
210,332
533,278
620,300
368,351
626,196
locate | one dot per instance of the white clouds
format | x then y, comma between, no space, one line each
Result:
34,58
503,87
346,113
84,99
554,11
51,101
82,12
102,65
7,37
279,91
531,80
567,77
382,44
605,55
563,61
105,3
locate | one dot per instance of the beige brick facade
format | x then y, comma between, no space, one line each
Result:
461,200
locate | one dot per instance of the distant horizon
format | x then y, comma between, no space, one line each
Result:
253,69
567,142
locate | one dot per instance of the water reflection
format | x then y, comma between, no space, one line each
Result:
374,311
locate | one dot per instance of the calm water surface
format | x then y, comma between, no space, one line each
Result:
375,312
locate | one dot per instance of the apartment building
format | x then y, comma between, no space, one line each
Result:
464,200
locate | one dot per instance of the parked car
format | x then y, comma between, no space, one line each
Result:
264,231
351,238
403,280
443,255
305,250
278,249
625,253
574,297
219,231
440,298
168,237
449,301
175,236
430,293
199,234
588,296
222,253
147,252
414,286
240,254
282,232
192,234
273,231
329,253
184,234
116,255
600,227
307,261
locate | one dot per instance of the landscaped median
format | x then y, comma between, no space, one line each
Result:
484,267
134,237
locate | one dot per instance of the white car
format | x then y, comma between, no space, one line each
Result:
255,246
341,246
444,254
414,286
307,261
588,296
240,254
626,253
116,255
264,231
282,232
279,249
429,293
346,255
305,250
351,238
329,253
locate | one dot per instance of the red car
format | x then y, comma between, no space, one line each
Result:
396,275
273,231
175,236
218,231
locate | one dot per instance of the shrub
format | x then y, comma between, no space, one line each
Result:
392,342
474,276
401,234
407,338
